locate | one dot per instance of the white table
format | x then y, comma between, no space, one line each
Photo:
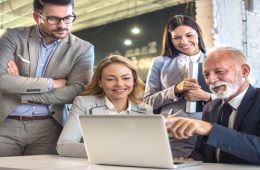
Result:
54,162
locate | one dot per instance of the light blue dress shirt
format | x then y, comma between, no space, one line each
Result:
45,53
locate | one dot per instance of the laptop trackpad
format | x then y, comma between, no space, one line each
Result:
182,164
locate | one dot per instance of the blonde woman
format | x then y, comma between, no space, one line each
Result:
114,89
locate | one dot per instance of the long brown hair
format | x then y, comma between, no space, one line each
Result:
168,48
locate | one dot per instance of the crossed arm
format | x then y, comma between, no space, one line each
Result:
12,69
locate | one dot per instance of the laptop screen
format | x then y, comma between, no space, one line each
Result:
127,140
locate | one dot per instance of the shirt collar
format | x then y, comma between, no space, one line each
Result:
235,102
194,58
112,107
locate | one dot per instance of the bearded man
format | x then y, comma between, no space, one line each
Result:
42,68
229,131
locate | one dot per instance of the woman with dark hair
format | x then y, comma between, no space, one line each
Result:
115,88
168,88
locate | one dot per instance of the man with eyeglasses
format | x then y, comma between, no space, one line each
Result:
42,67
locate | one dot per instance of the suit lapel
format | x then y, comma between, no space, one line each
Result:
218,113
180,74
58,55
212,115
137,109
245,105
33,51
215,111
100,101
100,107
202,57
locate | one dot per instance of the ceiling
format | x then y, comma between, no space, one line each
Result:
90,13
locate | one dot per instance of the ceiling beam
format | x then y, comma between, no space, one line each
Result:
90,13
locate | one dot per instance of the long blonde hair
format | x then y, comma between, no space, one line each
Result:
93,87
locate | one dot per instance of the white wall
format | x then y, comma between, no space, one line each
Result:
253,44
236,25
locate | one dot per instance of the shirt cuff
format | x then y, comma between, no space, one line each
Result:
212,96
172,95
50,84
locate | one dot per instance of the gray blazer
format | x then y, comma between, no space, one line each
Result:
73,60
163,75
69,141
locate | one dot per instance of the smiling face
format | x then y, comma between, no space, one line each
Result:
185,40
56,31
117,81
225,75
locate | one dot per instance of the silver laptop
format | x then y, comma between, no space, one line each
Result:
128,140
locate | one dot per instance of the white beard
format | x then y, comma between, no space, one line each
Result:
230,90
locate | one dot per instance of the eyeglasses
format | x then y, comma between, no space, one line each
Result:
52,20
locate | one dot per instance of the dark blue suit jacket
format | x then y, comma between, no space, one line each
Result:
241,145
